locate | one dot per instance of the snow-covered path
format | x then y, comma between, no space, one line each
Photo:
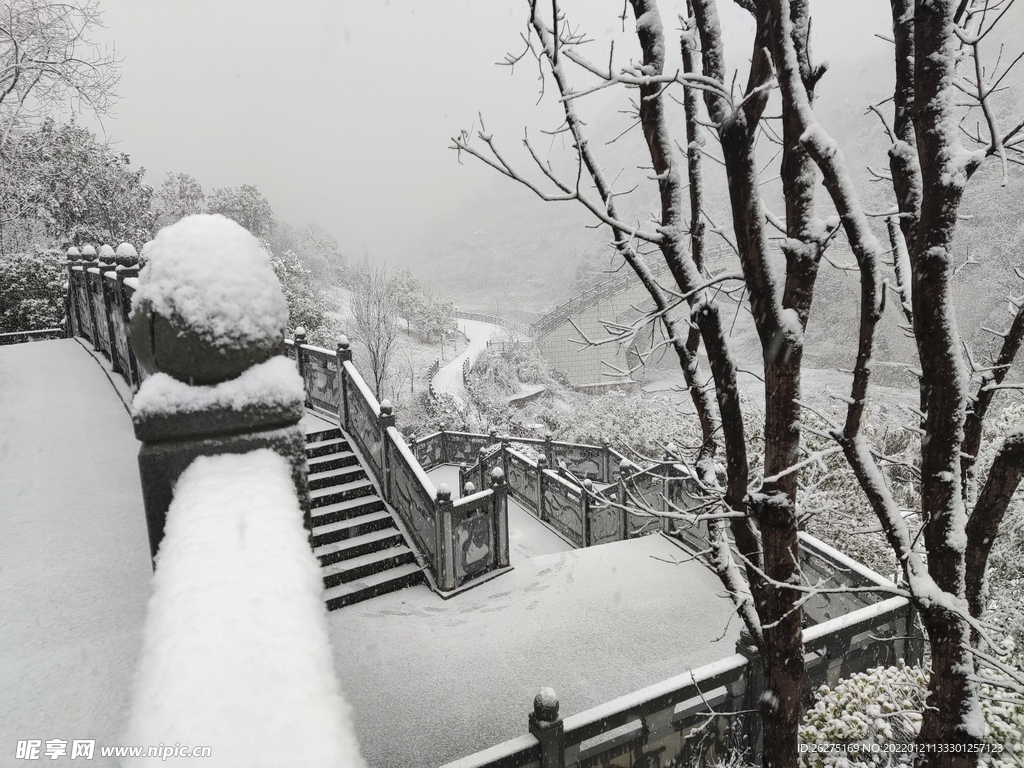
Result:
449,378
74,555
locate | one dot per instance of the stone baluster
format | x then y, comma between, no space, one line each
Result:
445,546
542,481
344,352
546,726
500,502
196,361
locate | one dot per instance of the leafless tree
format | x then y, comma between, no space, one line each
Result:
375,322
934,40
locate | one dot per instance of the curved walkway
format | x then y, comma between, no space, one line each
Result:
448,380
74,554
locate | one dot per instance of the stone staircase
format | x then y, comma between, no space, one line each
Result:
361,550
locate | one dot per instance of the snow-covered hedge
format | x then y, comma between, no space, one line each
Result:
236,654
32,291
883,706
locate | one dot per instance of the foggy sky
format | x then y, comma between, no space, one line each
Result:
342,112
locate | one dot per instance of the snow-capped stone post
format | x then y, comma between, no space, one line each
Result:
542,479
71,302
549,449
208,322
624,466
344,356
481,463
385,419
445,554
500,502
546,726
300,362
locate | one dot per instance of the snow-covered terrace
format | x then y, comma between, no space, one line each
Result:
430,680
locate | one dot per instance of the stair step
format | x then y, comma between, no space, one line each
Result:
374,585
356,546
322,434
331,478
332,461
366,565
321,497
357,526
346,510
323,447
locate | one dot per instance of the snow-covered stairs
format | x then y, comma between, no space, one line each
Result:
361,550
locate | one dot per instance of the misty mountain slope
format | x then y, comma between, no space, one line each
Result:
508,249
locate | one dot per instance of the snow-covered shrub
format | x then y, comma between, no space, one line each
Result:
645,423
883,706
306,306
32,290
880,706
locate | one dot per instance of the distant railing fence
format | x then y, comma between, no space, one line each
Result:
590,494
100,289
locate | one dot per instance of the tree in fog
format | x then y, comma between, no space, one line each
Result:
178,196
245,205
375,325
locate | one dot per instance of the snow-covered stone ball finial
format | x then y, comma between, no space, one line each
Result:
88,252
74,254
545,705
208,305
106,253
126,255
470,489
443,493
343,342
386,408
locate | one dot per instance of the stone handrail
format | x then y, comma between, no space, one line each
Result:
19,337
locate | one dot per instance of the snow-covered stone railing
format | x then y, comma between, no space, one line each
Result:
100,288
701,714
20,337
235,651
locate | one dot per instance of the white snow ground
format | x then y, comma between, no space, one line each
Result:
433,680
74,555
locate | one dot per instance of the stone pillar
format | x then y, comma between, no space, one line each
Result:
546,726
542,479
180,416
500,514
481,465
585,502
344,352
624,466
71,303
385,420
445,553
300,362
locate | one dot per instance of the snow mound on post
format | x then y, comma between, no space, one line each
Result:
272,383
236,654
213,274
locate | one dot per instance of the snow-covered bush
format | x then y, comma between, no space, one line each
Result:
306,306
32,291
644,423
883,706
